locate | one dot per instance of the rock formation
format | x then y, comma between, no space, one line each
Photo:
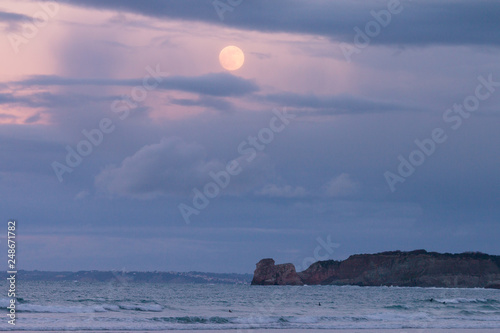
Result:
406,269
267,273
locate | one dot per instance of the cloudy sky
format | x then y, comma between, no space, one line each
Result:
369,125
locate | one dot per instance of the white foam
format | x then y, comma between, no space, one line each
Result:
111,307
59,308
141,307
256,320
461,300
86,309
304,320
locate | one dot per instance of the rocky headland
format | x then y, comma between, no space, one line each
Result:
396,268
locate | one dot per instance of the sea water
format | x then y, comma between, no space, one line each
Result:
66,306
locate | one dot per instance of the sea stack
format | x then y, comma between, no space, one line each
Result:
267,273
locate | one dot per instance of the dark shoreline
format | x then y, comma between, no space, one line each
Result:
135,277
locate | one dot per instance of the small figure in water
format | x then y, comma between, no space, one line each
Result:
319,304
230,311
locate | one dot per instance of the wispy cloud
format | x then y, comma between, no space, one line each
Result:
13,17
214,84
334,104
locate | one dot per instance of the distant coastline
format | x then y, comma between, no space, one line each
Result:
135,276
396,268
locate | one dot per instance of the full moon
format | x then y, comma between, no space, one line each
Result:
231,58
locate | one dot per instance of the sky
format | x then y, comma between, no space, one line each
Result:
352,127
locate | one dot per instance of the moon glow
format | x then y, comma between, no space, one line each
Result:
231,58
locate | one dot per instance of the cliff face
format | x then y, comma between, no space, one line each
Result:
412,269
267,273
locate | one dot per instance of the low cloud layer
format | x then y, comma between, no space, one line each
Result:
215,84
171,166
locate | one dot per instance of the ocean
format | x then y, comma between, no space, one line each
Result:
69,306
